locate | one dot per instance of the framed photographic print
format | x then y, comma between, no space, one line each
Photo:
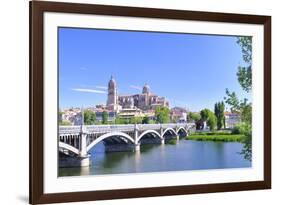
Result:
137,102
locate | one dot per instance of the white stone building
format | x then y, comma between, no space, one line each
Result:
231,119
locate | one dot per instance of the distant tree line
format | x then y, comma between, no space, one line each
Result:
214,120
162,115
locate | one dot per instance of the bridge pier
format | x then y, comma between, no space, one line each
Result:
85,161
83,143
136,135
137,147
84,157
70,161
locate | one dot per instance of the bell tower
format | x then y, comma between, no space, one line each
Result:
112,93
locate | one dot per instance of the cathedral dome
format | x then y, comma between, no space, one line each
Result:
146,89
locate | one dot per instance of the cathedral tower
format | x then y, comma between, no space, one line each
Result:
112,93
146,89
146,93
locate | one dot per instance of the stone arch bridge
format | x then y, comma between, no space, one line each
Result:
75,142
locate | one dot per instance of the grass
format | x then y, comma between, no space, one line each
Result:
216,136
217,132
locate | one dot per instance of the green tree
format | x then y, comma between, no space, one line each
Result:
219,113
246,113
136,120
118,120
243,107
151,122
162,114
208,116
193,116
212,121
145,120
233,101
89,117
244,73
104,117
205,114
65,122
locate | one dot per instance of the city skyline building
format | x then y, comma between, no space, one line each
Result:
112,103
144,101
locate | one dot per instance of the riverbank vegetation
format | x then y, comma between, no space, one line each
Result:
64,123
216,136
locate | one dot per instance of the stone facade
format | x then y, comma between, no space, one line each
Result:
178,114
144,101
112,95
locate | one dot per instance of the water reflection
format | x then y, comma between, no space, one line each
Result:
137,160
85,171
185,155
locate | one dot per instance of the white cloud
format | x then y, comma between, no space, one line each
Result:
135,87
89,90
101,87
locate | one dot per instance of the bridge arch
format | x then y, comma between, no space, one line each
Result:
68,147
182,128
111,134
147,132
169,129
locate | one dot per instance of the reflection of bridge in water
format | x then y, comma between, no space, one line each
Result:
75,142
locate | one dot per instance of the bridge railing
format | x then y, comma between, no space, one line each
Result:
109,128
121,128
148,126
69,129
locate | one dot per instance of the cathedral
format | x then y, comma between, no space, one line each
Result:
144,101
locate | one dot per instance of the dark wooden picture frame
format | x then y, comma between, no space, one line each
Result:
37,9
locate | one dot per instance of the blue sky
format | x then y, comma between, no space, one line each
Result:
190,70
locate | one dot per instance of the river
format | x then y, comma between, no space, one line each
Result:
185,155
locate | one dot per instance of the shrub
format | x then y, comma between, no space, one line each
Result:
223,138
65,122
236,130
242,128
